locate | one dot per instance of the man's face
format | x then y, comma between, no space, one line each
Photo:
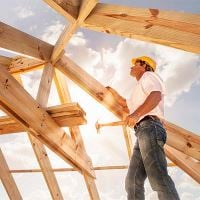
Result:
137,69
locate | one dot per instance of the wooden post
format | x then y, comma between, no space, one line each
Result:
7,180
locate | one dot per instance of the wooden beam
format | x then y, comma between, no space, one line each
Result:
112,167
21,64
85,8
20,105
18,41
5,60
69,9
174,29
89,84
128,140
183,140
7,180
65,97
65,115
38,147
186,163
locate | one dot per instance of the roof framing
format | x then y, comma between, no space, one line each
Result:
178,30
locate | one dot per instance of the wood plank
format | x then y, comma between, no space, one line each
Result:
174,29
186,163
18,41
69,9
85,8
7,180
89,84
21,64
38,147
183,140
20,105
65,97
66,115
128,140
5,60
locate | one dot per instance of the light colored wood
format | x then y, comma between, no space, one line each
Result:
65,97
72,169
65,115
5,60
21,64
85,8
20,105
174,29
38,147
186,163
65,8
128,140
7,180
183,140
18,41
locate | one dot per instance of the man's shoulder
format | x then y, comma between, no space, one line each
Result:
152,75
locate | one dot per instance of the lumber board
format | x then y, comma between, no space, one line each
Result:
4,60
186,163
8,180
38,147
170,28
18,41
65,115
184,140
20,105
68,9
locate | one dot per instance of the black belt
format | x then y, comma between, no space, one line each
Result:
153,117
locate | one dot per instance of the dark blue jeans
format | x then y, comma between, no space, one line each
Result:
148,160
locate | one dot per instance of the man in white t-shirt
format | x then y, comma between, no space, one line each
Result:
146,108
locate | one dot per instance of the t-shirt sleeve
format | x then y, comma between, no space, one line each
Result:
151,82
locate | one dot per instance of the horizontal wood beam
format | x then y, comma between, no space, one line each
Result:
186,163
112,167
65,115
19,104
170,28
7,180
18,41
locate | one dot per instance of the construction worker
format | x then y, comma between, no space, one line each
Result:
147,109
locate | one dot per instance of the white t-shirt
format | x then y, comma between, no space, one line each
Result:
149,82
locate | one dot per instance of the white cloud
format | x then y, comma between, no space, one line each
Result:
52,32
23,12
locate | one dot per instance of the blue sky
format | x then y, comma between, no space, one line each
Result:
108,60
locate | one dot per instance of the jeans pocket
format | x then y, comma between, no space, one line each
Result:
160,135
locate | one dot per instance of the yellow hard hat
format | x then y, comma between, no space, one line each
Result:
147,59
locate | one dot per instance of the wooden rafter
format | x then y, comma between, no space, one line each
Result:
174,29
186,163
7,180
38,147
65,115
85,8
65,97
69,9
4,60
20,105
11,38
